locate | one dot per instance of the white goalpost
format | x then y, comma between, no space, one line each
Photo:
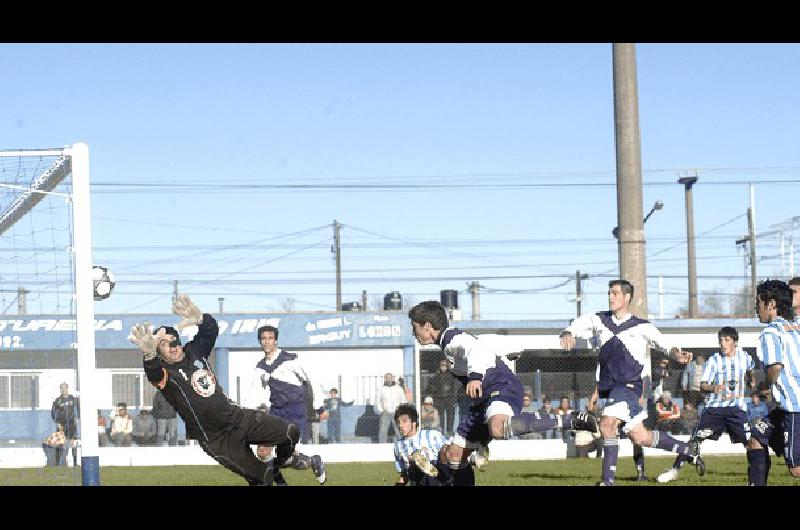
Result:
28,180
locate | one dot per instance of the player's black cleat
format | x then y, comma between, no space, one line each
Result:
583,421
603,483
642,478
318,467
697,460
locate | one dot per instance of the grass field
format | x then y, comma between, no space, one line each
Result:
721,471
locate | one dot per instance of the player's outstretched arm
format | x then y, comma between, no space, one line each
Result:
188,311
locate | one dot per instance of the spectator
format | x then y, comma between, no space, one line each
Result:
102,430
443,387
333,407
166,421
669,415
409,396
390,396
121,426
65,410
429,416
55,447
547,408
568,436
691,378
689,417
144,429
528,407
756,409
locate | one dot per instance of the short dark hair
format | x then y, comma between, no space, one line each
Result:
625,285
794,281
429,311
409,410
262,329
170,331
779,292
728,331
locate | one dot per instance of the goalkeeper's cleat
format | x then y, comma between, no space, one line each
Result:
668,475
318,467
479,459
583,421
424,464
642,478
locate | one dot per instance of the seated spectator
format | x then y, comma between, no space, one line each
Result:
102,430
563,409
144,429
547,408
429,416
121,426
528,406
55,447
689,417
756,409
669,415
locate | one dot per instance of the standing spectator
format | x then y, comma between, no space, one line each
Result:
65,410
429,416
756,409
691,379
443,387
409,396
669,414
121,426
689,416
144,429
55,447
333,406
390,396
102,430
166,421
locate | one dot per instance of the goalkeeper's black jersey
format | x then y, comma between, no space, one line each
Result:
191,387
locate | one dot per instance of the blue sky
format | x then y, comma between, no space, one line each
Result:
515,141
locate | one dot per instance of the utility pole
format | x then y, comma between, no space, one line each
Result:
337,255
22,304
688,182
221,301
631,241
363,299
579,290
475,290
751,238
174,290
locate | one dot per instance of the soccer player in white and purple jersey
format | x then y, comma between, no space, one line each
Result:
779,350
724,380
416,454
494,390
624,339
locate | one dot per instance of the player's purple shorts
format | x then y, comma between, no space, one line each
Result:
293,412
716,420
499,384
780,431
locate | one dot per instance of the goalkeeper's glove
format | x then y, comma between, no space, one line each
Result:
190,313
142,336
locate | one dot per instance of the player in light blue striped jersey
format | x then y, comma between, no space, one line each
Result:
416,454
724,380
779,349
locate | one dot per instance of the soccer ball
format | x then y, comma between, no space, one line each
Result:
103,282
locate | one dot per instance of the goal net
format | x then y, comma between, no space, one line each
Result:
48,417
